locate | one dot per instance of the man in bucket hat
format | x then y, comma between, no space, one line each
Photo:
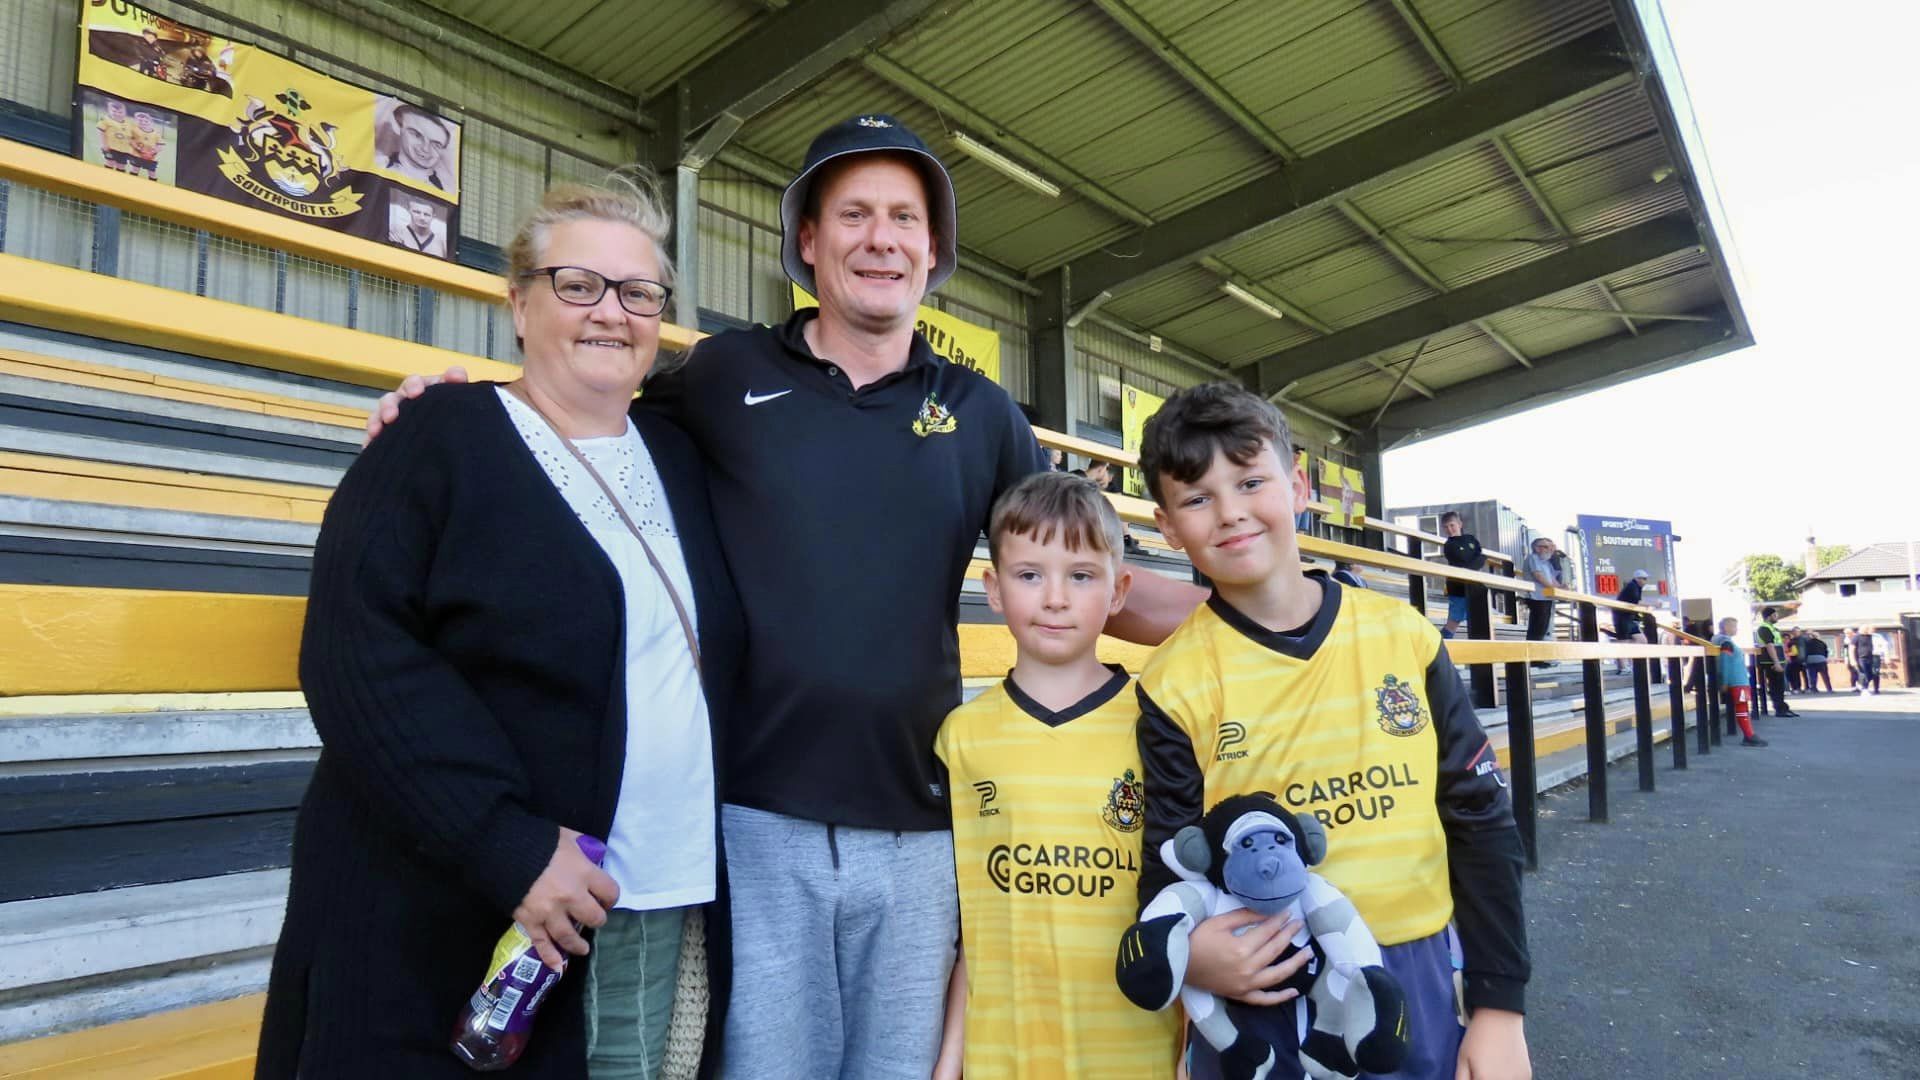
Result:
852,471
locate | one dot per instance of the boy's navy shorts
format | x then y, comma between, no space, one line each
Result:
1425,971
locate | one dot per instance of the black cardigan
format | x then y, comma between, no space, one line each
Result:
462,659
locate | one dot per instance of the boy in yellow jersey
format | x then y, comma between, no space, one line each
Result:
116,137
146,140
1343,703
1044,776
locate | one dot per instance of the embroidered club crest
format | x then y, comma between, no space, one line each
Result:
1400,711
934,419
1126,804
872,122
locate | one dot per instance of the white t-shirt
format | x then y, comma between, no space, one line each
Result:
661,850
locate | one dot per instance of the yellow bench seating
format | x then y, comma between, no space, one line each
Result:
205,1042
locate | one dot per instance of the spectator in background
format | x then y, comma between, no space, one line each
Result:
1462,551
1771,654
1349,575
1104,475
1734,682
1626,624
1057,459
1866,661
1816,650
1539,570
1796,659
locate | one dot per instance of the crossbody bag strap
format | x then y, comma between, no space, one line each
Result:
673,594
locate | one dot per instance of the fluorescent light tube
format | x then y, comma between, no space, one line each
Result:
1252,301
1004,165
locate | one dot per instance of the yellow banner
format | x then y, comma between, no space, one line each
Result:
1136,407
953,338
183,106
1344,490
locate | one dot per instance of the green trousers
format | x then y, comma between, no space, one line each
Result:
636,958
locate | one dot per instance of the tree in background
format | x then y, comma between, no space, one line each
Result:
1828,554
1770,577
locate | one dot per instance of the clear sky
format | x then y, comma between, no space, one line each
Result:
1811,126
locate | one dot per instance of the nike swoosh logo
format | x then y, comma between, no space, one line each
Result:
756,399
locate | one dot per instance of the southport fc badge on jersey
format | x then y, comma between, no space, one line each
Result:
1400,711
1126,803
934,419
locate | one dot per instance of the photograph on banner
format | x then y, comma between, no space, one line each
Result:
417,222
1303,521
1344,490
177,104
1136,407
159,48
416,146
953,339
136,139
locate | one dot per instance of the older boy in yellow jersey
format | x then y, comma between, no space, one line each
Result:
1044,775
1343,703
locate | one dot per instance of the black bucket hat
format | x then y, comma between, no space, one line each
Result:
872,133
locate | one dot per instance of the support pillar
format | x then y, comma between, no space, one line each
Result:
1053,353
1523,774
1594,698
1370,474
1643,720
678,167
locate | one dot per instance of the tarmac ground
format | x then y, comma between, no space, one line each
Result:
1758,915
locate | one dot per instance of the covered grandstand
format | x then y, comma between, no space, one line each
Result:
1396,218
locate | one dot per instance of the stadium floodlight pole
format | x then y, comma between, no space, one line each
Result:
1004,165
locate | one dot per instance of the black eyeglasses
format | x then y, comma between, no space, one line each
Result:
581,287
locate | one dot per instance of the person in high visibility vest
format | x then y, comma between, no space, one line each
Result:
1733,679
1773,662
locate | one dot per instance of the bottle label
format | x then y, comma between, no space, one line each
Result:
516,983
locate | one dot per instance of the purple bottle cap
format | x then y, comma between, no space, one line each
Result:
592,847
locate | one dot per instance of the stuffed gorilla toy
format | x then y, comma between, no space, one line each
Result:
1249,851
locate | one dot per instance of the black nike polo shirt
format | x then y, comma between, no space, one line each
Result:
848,518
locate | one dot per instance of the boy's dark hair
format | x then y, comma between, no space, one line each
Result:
1045,502
1451,515
1767,613
1180,440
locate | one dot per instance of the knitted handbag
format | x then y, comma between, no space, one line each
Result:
687,1028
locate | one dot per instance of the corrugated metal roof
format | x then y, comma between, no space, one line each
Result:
1351,284
1604,121
1482,38
1350,72
1276,250
1167,296
954,41
638,49
1065,78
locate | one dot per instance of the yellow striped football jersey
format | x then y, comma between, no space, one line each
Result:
1047,816
1358,721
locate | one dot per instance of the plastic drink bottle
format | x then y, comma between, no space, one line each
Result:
498,1020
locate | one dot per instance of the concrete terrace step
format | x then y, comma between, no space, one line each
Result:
90,737
93,958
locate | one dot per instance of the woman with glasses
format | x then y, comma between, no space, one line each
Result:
520,630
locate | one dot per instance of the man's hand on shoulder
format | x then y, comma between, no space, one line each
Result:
387,410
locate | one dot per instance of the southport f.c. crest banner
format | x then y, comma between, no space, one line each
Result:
179,105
